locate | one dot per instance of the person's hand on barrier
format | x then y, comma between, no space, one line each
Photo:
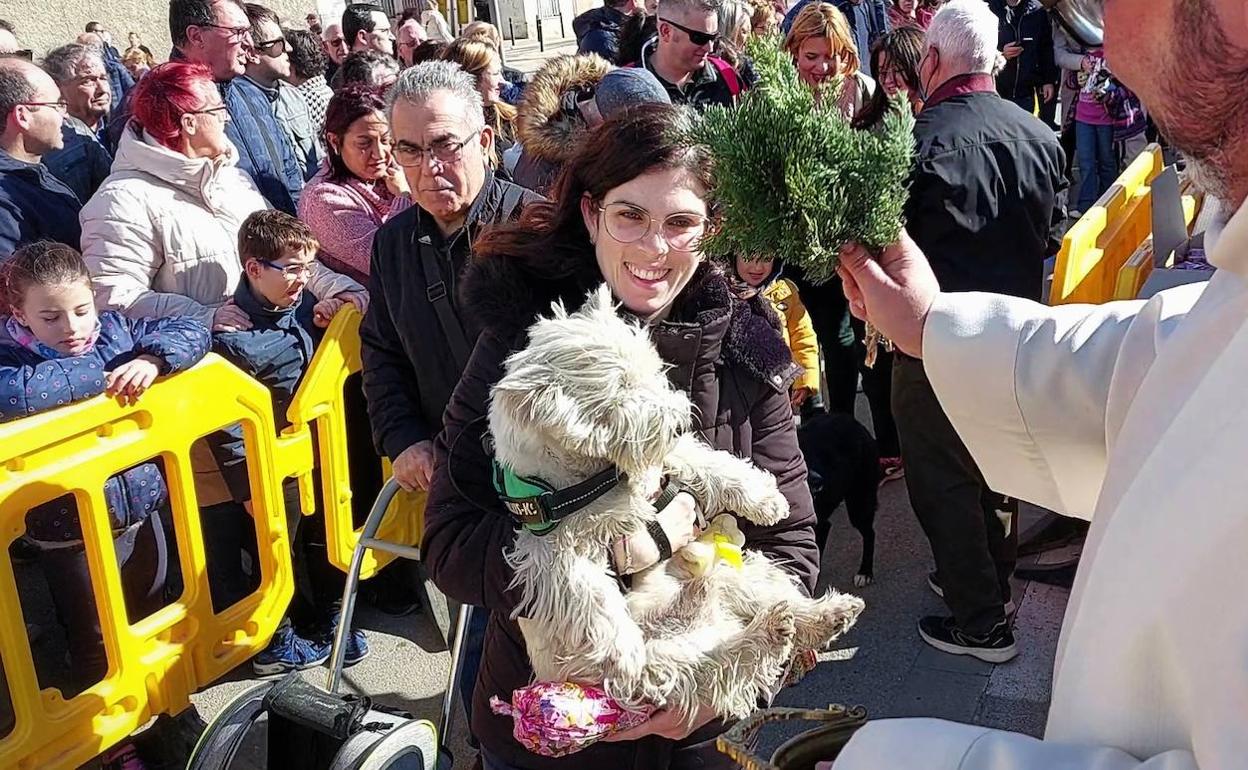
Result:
357,298
414,467
893,291
1012,51
132,378
1048,91
665,724
323,311
230,318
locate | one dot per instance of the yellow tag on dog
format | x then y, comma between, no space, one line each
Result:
728,551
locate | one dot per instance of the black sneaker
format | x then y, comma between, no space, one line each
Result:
1010,607
997,646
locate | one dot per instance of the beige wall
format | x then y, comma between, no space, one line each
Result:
44,24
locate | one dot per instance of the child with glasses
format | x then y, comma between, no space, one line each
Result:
278,254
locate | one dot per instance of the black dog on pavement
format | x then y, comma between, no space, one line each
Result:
843,464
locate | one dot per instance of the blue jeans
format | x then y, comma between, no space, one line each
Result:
1098,163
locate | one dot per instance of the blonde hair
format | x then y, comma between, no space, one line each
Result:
482,30
824,20
475,56
762,14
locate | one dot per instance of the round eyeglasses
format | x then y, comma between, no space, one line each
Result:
626,223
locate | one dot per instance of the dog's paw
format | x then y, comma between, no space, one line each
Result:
761,502
861,580
777,626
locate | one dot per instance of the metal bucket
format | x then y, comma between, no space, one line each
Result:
800,752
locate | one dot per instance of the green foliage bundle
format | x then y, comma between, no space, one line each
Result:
794,180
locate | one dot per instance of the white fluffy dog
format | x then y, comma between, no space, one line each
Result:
590,391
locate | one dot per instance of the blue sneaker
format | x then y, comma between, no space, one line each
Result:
357,648
289,652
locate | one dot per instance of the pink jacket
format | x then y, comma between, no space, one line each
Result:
344,215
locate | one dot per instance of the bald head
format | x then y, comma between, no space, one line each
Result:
30,120
8,42
336,46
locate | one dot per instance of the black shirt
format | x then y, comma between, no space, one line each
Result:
706,87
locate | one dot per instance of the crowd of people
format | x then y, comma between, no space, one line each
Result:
236,196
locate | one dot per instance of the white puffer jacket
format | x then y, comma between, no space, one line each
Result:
160,236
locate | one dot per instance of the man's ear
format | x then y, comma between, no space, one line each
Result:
253,268
487,143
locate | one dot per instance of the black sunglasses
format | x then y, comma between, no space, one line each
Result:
696,36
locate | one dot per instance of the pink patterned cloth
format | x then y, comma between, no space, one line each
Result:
555,719
345,215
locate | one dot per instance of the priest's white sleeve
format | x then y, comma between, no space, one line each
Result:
933,744
1037,393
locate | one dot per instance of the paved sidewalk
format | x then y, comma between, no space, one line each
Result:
527,56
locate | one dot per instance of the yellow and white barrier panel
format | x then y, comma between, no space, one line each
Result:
319,402
155,664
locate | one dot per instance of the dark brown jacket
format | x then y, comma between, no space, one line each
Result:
728,356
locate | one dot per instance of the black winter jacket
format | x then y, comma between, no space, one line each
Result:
727,354
409,366
598,31
983,195
1027,24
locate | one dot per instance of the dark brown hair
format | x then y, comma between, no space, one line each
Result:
347,106
267,235
42,263
904,49
550,240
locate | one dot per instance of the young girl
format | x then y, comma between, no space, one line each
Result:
55,350
763,276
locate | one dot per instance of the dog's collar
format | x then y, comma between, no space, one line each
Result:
539,507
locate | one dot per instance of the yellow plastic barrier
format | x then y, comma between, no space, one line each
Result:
1136,270
156,664
319,402
1100,243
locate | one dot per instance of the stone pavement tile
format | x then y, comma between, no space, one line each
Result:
930,657
1018,716
926,692
1036,629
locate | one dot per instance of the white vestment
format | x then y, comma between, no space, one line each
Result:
1135,415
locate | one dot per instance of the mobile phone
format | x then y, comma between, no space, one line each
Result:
1029,40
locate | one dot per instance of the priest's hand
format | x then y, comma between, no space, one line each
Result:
893,292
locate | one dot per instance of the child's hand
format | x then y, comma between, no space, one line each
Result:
323,311
799,396
132,378
357,298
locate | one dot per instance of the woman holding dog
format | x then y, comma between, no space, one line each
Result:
629,209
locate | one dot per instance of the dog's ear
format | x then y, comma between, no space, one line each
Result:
645,426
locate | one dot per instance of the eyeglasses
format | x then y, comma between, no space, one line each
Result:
696,36
221,111
289,272
627,223
232,34
60,106
264,45
336,42
447,151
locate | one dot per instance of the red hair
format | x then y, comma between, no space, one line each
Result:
164,95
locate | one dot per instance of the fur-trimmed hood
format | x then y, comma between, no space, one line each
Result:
506,297
546,130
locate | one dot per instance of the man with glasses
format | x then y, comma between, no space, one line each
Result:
680,56
83,162
336,48
416,338
268,68
34,204
216,33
